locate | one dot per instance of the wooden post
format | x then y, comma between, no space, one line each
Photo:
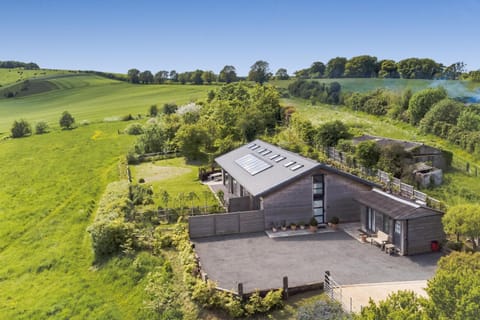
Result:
285,288
240,290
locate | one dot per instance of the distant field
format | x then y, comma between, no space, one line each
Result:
93,98
454,88
45,252
460,187
9,76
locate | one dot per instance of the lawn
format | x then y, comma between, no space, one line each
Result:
93,98
178,178
50,181
459,187
9,76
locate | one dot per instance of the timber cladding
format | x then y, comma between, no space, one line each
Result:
226,223
422,231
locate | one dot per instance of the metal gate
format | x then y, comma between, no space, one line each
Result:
334,291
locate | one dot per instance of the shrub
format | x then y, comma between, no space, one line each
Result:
41,127
141,195
313,222
134,129
66,120
321,309
334,220
21,128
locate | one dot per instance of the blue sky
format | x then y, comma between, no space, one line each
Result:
185,35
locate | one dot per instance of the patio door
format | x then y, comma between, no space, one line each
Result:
371,219
318,198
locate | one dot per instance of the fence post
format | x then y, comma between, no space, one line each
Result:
326,285
285,288
240,290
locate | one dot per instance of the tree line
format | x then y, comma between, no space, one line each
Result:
366,66
17,64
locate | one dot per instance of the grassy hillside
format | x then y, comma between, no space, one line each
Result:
46,254
461,187
92,98
454,88
9,76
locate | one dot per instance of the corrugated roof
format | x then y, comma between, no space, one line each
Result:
277,173
393,206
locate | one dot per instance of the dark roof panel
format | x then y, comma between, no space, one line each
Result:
393,206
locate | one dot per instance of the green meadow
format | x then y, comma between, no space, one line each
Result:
92,98
10,76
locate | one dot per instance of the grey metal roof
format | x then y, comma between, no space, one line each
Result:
393,206
382,142
273,177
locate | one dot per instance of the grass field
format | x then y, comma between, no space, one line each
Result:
93,98
461,187
46,270
454,88
9,76
176,177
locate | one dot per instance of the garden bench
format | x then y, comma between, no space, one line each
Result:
381,239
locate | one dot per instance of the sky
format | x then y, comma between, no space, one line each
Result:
185,35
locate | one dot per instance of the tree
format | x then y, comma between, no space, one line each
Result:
330,133
463,220
161,76
196,77
335,67
422,101
454,71
317,69
414,68
208,77
228,74
388,69
393,159
368,153
145,77
153,110
446,110
469,118
190,139
173,76
361,67
454,291
41,127
133,75
66,120
169,108
398,306
259,72
282,74
21,128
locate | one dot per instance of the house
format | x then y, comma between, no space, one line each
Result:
265,185
287,187
410,227
419,152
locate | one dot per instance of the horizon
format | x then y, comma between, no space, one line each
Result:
114,36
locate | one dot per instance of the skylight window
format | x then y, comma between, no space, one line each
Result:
274,156
251,146
255,147
264,153
252,164
261,150
288,164
279,159
296,167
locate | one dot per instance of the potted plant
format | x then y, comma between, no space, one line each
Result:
293,226
334,222
274,227
302,225
284,225
313,224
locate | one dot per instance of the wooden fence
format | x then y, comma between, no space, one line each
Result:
226,223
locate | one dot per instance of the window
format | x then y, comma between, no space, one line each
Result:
289,163
318,204
273,157
387,222
280,158
398,227
252,164
296,167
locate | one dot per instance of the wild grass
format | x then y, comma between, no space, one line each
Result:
9,76
93,98
49,181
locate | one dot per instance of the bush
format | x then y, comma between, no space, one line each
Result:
134,129
21,128
41,127
66,120
334,220
321,309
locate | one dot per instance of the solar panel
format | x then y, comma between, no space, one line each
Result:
279,159
289,163
296,167
252,164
